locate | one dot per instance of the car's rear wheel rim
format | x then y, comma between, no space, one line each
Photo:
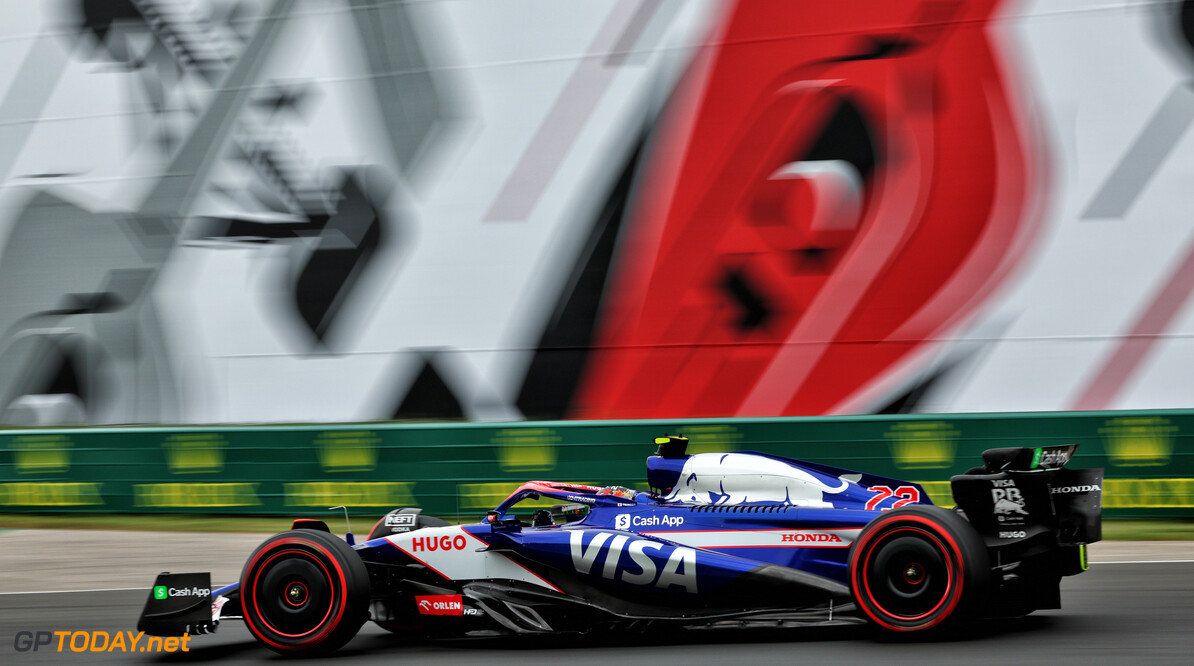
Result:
908,574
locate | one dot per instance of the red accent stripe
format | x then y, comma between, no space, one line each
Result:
1139,341
479,539
545,582
415,558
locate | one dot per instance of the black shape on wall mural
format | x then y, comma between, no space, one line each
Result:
1186,24
752,308
429,397
846,136
915,398
560,357
343,242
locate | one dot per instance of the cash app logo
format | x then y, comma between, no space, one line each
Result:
159,592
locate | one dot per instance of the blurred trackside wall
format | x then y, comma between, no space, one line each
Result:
465,469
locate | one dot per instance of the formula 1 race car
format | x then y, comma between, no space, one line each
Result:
721,539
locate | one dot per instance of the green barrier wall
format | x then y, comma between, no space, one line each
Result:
463,469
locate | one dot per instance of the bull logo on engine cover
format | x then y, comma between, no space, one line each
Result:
1007,499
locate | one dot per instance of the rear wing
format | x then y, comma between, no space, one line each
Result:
1022,491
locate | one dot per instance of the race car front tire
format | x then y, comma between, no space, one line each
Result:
918,568
304,592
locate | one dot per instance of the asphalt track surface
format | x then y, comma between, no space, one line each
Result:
1131,612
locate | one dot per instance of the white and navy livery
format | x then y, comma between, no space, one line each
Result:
721,536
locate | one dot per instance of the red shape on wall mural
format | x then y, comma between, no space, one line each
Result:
832,189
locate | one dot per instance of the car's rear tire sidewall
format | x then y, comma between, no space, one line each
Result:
304,591
918,569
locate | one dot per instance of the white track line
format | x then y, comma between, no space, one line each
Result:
1145,562
106,589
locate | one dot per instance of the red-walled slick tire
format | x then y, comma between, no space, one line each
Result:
918,568
304,591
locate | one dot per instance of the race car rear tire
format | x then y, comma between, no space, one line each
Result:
918,568
304,591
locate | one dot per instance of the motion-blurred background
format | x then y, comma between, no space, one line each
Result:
291,211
